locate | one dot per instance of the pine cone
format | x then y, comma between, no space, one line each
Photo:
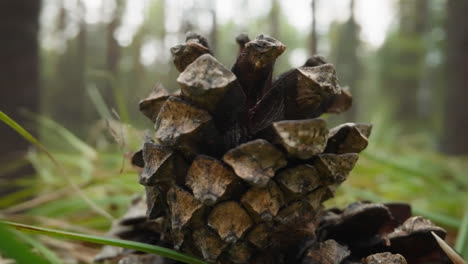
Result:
240,163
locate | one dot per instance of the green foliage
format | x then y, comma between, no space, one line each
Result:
20,130
25,134
461,245
16,249
168,253
398,166
48,254
385,172
54,199
345,52
402,58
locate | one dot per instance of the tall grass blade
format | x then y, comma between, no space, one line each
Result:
25,134
461,245
99,103
12,248
20,130
118,96
165,252
68,136
48,254
441,219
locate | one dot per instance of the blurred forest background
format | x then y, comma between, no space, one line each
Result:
77,89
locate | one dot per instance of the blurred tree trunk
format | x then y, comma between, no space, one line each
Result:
402,63
413,25
455,129
214,27
188,11
313,33
113,49
79,78
274,18
345,56
70,77
113,54
19,81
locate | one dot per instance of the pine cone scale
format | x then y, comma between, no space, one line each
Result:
240,166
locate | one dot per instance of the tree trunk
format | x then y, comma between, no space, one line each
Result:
84,115
454,139
413,25
113,49
113,55
313,33
274,19
402,63
348,64
214,27
19,80
69,79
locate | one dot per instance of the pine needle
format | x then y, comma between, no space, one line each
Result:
456,259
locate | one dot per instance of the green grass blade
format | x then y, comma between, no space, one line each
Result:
461,245
18,128
48,254
441,219
17,250
387,160
118,96
26,135
12,123
12,165
438,218
98,102
165,252
17,196
66,134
